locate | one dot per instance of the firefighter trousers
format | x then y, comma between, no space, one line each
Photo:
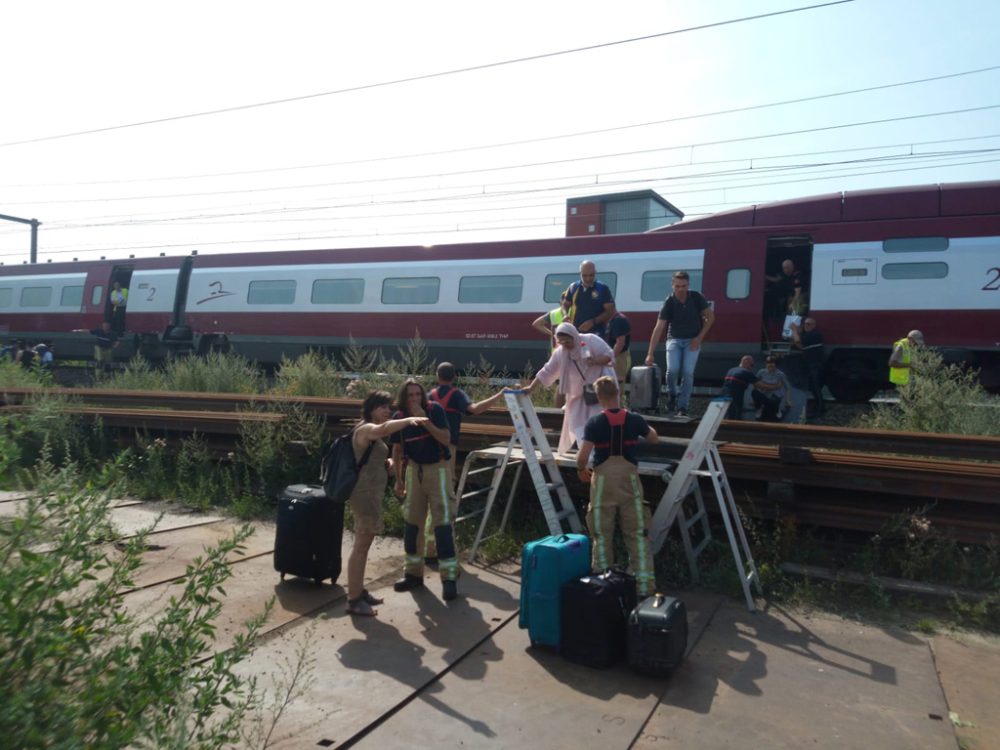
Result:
428,493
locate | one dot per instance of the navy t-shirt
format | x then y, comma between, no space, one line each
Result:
619,326
684,317
599,432
589,303
738,379
455,402
418,444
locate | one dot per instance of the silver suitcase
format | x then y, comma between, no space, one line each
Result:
645,388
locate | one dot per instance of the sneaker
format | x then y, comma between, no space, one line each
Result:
431,562
449,590
408,583
681,413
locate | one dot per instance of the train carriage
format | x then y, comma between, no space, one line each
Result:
875,264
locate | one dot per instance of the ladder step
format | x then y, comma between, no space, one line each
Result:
475,493
688,523
467,516
483,470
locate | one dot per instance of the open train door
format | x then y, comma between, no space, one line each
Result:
780,296
116,304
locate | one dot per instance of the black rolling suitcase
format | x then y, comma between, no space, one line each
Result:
594,611
657,635
309,534
644,388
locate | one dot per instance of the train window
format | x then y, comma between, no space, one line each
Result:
914,270
72,296
420,291
490,289
738,283
36,296
97,295
915,245
656,285
557,283
6,296
271,293
338,291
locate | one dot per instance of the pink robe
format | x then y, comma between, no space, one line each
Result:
561,366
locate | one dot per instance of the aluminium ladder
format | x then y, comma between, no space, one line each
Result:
528,446
702,451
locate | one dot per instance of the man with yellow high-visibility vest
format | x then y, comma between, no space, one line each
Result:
902,354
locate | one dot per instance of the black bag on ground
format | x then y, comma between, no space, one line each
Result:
309,533
340,469
657,635
594,610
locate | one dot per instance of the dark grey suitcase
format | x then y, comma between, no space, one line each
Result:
657,635
309,533
644,384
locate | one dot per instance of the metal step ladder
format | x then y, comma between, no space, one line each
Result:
528,446
701,459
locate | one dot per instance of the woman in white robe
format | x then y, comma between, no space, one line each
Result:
580,358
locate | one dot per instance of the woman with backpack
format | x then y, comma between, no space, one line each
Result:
366,498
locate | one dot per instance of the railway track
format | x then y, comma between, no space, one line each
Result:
829,476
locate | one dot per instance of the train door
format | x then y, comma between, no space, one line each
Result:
788,274
116,304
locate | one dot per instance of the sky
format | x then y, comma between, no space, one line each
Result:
146,128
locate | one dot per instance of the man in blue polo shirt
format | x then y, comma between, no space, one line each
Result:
591,301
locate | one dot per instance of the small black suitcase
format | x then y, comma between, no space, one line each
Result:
644,388
594,610
309,533
657,635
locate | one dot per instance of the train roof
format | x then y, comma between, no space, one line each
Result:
917,202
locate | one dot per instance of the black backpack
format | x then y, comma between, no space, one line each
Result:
339,470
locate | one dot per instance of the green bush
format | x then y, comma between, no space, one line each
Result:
76,668
13,375
309,375
216,372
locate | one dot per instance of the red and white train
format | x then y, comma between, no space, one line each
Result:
876,264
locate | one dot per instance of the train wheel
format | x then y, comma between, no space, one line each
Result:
853,380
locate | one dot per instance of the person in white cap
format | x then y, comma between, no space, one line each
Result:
899,360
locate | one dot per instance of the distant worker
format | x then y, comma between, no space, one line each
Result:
619,338
615,489
810,341
591,301
548,323
106,341
119,299
456,403
44,355
687,318
902,354
738,379
786,289
580,360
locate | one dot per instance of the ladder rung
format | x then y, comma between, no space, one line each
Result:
467,516
482,470
566,513
689,522
474,493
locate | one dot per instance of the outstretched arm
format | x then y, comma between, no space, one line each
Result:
480,406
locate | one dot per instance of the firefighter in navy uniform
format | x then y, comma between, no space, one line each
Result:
423,482
615,489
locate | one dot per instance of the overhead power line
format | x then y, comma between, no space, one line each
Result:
427,76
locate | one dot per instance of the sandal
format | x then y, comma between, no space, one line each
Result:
361,608
372,600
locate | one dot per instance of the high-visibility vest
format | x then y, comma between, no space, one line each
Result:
901,375
556,318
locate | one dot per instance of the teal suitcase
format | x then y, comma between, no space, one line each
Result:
546,564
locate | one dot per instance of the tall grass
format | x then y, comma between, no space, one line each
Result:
310,375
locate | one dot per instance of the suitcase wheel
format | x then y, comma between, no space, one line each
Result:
319,581
282,577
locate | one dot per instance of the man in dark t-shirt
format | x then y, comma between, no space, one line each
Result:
592,303
738,379
686,316
810,341
619,338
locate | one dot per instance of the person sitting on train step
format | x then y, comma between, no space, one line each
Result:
687,318
619,338
770,394
548,323
591,301
900,359
455,403
423,484
580,360
615,488
366,497
738,379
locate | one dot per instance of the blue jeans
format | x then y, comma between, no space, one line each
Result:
681,362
